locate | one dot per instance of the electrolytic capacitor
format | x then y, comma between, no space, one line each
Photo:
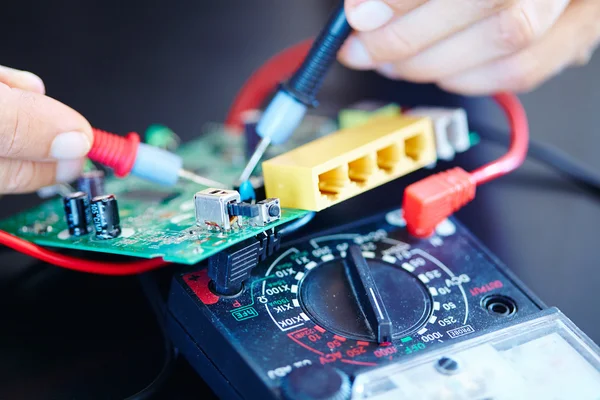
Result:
92,183
77,212
105,217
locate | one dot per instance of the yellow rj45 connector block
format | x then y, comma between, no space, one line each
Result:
349,162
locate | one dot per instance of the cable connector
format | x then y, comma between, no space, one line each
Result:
229,268
429,201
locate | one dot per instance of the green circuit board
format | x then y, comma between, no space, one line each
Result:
155,221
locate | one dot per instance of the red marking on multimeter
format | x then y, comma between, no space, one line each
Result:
198,282
488,287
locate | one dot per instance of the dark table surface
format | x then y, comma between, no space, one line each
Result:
69,335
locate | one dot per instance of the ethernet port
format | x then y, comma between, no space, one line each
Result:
360,170
414,146
389,157
332,182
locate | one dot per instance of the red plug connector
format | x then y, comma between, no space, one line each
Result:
428,202
116,152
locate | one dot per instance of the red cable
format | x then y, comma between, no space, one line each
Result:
264,80
519,141
79,264
429,201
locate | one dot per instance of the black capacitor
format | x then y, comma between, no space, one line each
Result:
77,212
105,216
92,183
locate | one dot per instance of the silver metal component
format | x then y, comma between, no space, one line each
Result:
201,180
269,211
255,159
211,207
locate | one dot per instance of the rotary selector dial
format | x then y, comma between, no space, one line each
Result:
389,305
361,298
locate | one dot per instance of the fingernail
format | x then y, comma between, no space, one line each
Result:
355,54
31,80
370,15
68,170
70,145
388,70
24,80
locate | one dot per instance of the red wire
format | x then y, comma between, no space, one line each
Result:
79,264
264,80
519,141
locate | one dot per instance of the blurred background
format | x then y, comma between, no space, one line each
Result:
125,65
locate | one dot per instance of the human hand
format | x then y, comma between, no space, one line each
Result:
471,46
42,141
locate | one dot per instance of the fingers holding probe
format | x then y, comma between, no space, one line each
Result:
41,140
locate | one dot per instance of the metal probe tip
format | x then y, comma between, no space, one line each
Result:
255,159
190,176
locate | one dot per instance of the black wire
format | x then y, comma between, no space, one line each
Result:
553,157
297,224
158,306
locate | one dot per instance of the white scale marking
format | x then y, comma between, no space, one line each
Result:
299,276
296,302
368,254
449,272
376,303
390,259
436,305
422,331
327,257
314,242
277,260
294,289
304,316
408,267
310,265
433,291
423,278
432,319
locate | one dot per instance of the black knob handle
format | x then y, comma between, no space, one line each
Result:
367,295
316,382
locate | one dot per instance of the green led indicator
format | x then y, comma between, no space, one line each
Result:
406,339
245,313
